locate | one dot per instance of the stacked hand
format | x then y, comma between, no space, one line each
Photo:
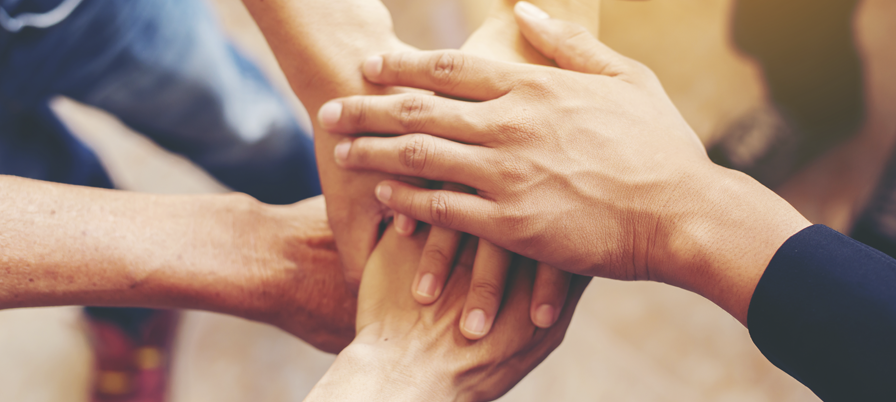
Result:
520,136
355,215
595,173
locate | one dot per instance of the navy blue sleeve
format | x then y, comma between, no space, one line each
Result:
825,312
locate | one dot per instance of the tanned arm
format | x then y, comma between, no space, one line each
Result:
70,245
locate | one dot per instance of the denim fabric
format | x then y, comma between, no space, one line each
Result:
38,20
166,70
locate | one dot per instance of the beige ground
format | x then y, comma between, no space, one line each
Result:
628,342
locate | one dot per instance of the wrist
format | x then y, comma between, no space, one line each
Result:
720,234
376,367
211,262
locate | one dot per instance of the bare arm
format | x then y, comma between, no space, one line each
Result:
69,245
319,45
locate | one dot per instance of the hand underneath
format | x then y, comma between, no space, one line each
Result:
295,279
407,351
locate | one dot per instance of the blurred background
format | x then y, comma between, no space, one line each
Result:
800,95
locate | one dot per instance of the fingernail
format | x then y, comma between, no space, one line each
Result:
404,225
329,114
475,322
373,66
544,316
528,9
383,192
341,151
427,286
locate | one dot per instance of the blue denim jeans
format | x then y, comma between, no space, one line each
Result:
164,68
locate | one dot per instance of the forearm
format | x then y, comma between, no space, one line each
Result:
320,45
73,245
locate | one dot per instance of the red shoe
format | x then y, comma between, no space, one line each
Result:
129,368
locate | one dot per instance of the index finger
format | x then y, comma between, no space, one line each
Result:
447,72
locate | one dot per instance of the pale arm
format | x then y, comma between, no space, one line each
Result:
319,45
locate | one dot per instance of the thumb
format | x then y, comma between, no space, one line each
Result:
570,45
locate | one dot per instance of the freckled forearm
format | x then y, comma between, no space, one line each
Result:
65,245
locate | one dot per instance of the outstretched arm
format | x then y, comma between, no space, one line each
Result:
69,245
319,45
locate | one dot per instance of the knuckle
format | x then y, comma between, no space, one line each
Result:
401,64
512,219
416,153
355,110
505,126
576,34
448,68
437,258
576,42
519,221
439,209
517,128
542,84
512,172
412,111
487,290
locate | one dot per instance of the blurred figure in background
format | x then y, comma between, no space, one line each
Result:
164,68
814,75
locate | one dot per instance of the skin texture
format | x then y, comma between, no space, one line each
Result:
320,57
593,170
499,38
69,245
405,351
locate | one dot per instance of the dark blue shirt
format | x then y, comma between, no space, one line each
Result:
825,312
